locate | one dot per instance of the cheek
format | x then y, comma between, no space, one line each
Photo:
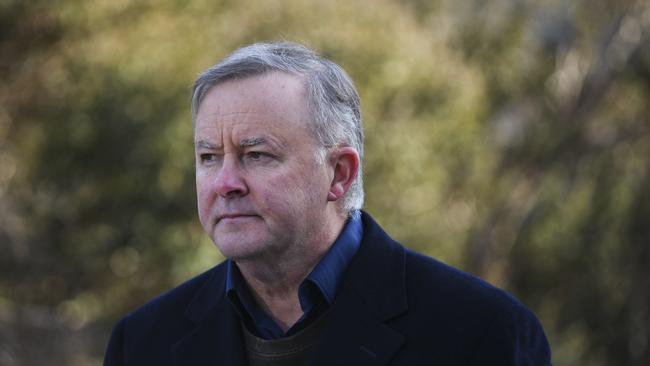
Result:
274,193
290,192
203,198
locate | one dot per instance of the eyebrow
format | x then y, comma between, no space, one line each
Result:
247,142
206,145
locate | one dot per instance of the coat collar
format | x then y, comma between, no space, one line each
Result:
371,293
378,271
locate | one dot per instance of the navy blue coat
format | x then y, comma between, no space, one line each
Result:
393,307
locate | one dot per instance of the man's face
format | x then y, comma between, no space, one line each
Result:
261,188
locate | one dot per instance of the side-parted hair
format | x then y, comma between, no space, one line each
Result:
332,97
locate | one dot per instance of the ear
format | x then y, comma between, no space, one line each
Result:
345,162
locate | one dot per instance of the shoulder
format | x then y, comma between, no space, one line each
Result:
469,319
427,277
478,322
180,296
429,280
168,311
157,325
472,314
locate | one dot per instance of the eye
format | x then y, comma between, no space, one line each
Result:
256,155
207,157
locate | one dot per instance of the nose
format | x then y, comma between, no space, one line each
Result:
230,181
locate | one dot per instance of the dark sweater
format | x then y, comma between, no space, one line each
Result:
295,350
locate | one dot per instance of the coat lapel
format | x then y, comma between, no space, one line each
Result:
371,293
217,338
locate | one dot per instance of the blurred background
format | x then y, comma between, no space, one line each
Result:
508,138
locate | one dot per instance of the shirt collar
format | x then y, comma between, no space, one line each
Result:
329,270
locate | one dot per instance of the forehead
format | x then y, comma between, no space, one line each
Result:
272,100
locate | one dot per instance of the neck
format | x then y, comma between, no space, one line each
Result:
274,282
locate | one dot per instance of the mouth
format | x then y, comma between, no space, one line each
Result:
234,216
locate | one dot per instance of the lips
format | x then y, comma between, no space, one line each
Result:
233,216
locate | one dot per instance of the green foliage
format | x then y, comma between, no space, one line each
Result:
509,138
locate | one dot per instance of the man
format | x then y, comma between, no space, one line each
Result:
309,279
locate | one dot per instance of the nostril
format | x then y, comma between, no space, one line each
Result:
230,183
233,193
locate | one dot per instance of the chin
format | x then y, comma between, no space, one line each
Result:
238,247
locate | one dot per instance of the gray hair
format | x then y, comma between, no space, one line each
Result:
333,100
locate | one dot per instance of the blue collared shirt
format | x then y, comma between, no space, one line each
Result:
316,292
